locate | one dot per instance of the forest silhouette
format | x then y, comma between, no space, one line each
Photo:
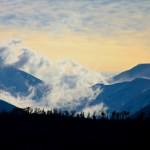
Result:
30,128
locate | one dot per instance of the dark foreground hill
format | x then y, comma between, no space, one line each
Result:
42,132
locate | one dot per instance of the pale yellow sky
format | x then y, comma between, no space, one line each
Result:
105,36
99,53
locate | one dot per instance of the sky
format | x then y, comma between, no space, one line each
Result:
102,35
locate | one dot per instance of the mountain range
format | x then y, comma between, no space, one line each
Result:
129,90
139,71
20,83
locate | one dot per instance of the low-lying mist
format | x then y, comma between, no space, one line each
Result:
69,82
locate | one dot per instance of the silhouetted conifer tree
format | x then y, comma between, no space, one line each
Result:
103,115
73,112
88,116
94,115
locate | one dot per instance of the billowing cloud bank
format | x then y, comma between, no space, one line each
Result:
70,82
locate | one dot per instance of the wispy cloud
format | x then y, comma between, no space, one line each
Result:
103,17
22,58
69,82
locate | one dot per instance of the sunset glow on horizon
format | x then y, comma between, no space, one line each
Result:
104,36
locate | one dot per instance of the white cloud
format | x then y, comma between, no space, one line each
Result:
105,16
18,101
69,82
22,58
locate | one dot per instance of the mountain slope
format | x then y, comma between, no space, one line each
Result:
4,106
138,102
20,83
125,95
139,71
145,110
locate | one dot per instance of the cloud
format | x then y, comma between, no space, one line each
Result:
31,62
104,17
69,83
22,58
20,101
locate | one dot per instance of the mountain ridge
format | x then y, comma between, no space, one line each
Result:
124,95
18,82
5,106
139,71
131,95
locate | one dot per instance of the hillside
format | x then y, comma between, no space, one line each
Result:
128,96
139,71
4,106
18,82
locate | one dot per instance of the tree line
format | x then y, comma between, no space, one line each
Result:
123,115
73,113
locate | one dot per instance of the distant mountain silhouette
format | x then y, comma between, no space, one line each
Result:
125,95
129,90
4,106
144,112
140,101
130,95
18,82
139,71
